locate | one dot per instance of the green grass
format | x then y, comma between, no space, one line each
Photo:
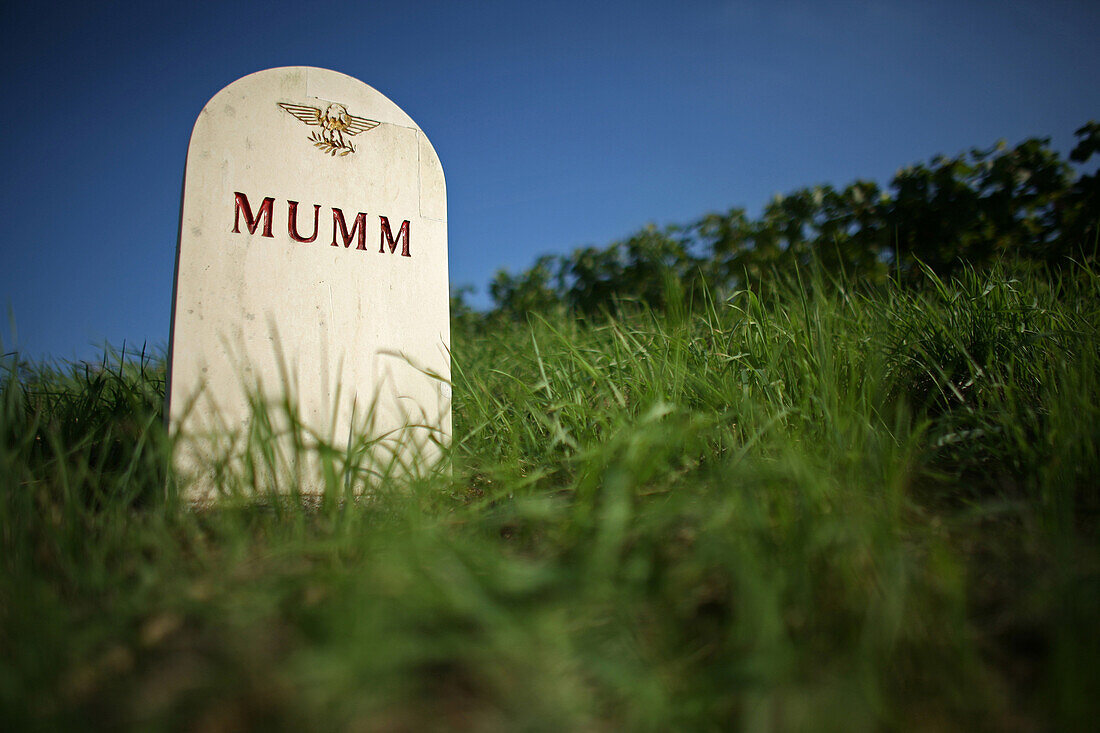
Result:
820,509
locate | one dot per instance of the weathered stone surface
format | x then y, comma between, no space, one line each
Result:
312,262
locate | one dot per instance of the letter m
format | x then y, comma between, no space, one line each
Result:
358,229
387,237
240,205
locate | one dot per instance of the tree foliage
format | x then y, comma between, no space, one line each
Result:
1024,205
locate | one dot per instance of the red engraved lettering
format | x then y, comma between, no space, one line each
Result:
292,221
240,204
360,227
387,237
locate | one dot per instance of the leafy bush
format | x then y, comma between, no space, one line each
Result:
1019,205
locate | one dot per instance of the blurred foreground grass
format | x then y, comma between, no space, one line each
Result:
823,510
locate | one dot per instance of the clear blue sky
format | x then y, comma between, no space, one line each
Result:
559,124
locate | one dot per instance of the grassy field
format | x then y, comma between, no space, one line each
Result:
815,509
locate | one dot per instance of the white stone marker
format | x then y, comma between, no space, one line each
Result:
312,261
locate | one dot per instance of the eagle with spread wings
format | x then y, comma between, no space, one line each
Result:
335,122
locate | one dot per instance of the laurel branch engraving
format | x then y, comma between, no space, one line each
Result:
328,146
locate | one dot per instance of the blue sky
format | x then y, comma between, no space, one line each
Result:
559,125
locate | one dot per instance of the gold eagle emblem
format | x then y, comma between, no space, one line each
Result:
335,122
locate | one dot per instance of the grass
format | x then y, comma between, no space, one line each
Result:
819,508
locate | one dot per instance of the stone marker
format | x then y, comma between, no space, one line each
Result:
312,262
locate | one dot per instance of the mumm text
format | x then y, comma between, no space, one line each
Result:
262,219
